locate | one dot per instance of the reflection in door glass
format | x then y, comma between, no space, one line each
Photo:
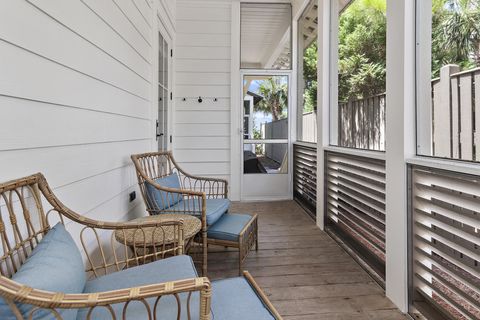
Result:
265,158
265,103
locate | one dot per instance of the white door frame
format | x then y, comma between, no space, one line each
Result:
167,36
288,141
236,118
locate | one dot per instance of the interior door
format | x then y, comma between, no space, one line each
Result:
266,172
163,137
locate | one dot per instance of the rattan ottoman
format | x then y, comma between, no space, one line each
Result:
235,230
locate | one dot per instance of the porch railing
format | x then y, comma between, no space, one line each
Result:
305,176
355,207
445,243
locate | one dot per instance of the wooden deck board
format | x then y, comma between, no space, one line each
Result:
305,273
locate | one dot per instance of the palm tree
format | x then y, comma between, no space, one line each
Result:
275,97
457,31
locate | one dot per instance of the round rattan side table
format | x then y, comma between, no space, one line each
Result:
160,237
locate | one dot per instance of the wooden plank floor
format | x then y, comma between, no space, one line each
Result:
303,271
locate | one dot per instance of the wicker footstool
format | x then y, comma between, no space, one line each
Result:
235,230
159,239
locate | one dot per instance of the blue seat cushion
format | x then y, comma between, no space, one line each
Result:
161,200
234,299
55,264
170,269
216,208
229,226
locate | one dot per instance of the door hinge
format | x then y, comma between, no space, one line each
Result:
171,139
171,53
171,96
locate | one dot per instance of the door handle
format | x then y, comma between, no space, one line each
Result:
158,134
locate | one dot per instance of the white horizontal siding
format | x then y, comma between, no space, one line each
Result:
198,66
200,129
58,125
83,20
75,97
202,117
28,75
202,56
199,143
207,104
205,78
64,46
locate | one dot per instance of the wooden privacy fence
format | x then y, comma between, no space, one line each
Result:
456,114
361,123
309,127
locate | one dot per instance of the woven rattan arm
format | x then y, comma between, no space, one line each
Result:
262,295
63,210
15,292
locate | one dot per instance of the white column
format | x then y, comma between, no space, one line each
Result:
424,67
236,107
323,98
333,67
400,142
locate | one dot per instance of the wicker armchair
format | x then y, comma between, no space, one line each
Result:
25,220
194,190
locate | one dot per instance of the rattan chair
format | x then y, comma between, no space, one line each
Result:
194,190
27,209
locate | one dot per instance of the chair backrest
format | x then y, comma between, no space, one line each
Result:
152,166
23,221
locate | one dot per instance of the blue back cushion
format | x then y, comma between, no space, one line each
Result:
162,200
55,264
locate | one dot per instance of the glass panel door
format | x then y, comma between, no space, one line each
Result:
163,92
265,139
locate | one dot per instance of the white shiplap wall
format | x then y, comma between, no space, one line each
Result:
203,62
76,97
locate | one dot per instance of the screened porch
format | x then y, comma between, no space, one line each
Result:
234,159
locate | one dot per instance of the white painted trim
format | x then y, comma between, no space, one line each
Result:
235,110
265,199
423,41
400,137
446,164
258,141
166,34
291,103
323,98
333,101
306,144
357,152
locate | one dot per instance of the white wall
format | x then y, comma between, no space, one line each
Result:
76,97
203,57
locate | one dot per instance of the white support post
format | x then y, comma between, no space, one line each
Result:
236,108
424,67
323,98
334,21
400,143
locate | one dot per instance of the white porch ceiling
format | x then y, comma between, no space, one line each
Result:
309,20
265,32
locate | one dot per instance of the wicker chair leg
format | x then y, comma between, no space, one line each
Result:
256,234
205,303
240,255
205,252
